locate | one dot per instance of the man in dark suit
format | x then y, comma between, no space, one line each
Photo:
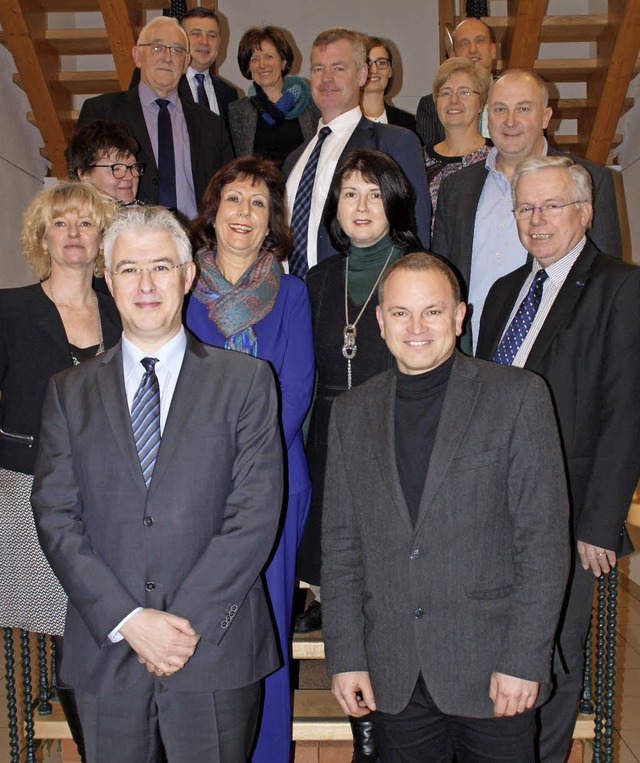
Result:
202,26
474,228
157,494
338,71
584,341
200,143
445,538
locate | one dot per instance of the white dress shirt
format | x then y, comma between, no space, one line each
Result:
342,128
208,88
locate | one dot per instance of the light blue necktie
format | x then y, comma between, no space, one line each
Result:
298,263
519,327
145,419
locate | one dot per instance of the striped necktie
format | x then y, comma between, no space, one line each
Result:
298,263
145,419
519,327
202,93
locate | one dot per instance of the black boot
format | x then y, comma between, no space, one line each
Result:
364,745
68,704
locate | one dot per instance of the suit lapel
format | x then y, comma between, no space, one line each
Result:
114,399
457,411
492,328
381,409
563,305
138,126
362,137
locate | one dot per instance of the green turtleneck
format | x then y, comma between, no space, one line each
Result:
365,264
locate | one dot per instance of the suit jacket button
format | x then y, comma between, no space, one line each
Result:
417,613
414,553
155,181
148,521
150,585
224,624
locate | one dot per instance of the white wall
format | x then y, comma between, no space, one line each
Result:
21,172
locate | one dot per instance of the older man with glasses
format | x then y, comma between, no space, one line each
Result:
181,143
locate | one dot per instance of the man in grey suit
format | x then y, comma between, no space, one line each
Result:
157,497
445,538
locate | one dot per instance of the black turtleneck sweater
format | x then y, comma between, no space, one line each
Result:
417,413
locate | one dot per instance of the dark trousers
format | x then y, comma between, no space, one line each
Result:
557,717
134,725
421,733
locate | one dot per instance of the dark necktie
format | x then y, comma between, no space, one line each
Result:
298,263
519,327
202,93
166,158
145,418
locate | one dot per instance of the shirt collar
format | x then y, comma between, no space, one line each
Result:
344,122
559,271
148,96
191,74
170,355
492,156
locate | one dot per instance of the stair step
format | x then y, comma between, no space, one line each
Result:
308,646
582,28
83,83
78,42
317,717
80,6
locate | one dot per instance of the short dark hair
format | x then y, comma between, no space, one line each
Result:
278,240
199,12
397,197
95,140
377,42
252,40
421,261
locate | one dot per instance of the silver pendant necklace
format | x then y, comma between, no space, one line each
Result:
100,349
349,333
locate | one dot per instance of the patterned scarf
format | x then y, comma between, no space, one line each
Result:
235,308
293,101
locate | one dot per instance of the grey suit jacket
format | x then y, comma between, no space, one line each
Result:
209,142
477,584
460,194
243,121
193,545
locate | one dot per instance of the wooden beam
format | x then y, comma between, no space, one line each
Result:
24,25
519,47
447,17
120,19
617,53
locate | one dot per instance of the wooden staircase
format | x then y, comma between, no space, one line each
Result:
603,76
41,53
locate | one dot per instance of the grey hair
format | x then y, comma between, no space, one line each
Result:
334,34
580,178
542,85
147,219
157,20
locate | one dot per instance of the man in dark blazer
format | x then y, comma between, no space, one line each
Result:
202,26
474,227
168,630
338,71
200,138
445,538
584,341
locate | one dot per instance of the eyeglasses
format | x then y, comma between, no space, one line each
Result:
525,211
119,170
380,63
461,92
159,272
159,50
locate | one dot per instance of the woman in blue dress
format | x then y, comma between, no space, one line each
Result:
244,302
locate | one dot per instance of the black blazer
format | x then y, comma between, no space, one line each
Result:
405,148
588,352
400,118
460,194
33,347
208,138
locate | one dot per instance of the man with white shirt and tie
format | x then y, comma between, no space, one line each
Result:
181,143
573,316
338,71
200,83
157,496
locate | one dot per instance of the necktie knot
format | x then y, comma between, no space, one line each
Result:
149,364
324,132
200,77
163,103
